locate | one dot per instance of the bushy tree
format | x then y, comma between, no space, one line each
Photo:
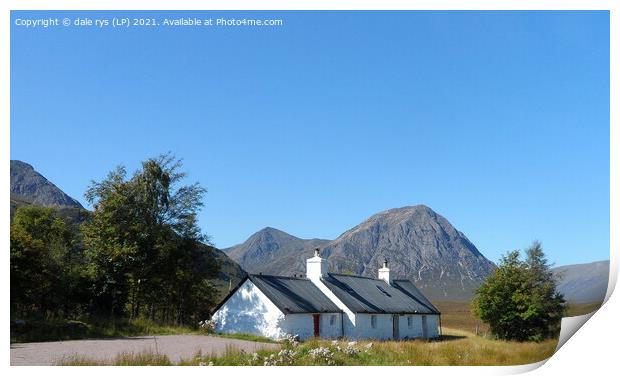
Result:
519,300
44,270
145,246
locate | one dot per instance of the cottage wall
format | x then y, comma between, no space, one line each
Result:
363,328
349,317
302,324
248,310
416,329
432,322
384,326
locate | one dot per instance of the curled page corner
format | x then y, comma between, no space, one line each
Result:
570,326
515,370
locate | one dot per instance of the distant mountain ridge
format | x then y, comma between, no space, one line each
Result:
419,244
583,283
30,186
262,251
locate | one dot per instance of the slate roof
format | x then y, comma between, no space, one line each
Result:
408,287
371,295
293,295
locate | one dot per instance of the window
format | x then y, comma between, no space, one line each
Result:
409,321
373,321
332,320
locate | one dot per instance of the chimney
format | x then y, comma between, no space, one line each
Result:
316,267
384,272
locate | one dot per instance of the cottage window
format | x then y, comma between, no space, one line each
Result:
373,321
409,321
332,320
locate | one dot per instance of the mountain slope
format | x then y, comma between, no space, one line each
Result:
419,244
583,283
264,250
29,185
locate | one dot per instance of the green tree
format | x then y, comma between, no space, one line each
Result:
519,300
42,264
145,246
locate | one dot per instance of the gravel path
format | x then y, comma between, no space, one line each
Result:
176,347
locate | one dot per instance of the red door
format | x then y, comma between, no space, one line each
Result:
317,321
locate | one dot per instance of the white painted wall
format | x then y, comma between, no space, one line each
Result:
416,330
327,329
363,328
432,322
302,324
384,327
248,310
349,317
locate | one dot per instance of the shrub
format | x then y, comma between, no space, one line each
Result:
519,300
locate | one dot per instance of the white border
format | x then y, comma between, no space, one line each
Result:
593,347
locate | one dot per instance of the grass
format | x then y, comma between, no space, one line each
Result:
123,359
582,309
245,336
45,331
458,315
456,347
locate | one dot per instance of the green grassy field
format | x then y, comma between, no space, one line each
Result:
456,347
582,309
458,315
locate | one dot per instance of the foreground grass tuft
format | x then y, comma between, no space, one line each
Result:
245,336
123,359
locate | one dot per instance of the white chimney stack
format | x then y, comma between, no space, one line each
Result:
316,267
384,272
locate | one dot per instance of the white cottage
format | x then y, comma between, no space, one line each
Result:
328,305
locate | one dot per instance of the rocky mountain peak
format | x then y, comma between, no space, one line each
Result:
420,244
30,186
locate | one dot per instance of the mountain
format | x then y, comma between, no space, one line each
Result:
583,283
264,250
230,274
30,186
418,243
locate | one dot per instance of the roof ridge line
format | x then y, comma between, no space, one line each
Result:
277,276
357,276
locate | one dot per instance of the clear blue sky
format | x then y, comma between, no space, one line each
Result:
497,121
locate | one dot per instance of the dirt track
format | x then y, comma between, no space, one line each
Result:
176,347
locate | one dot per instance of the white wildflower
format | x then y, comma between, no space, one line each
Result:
322,353
207,326
286,356
350,350
290,339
